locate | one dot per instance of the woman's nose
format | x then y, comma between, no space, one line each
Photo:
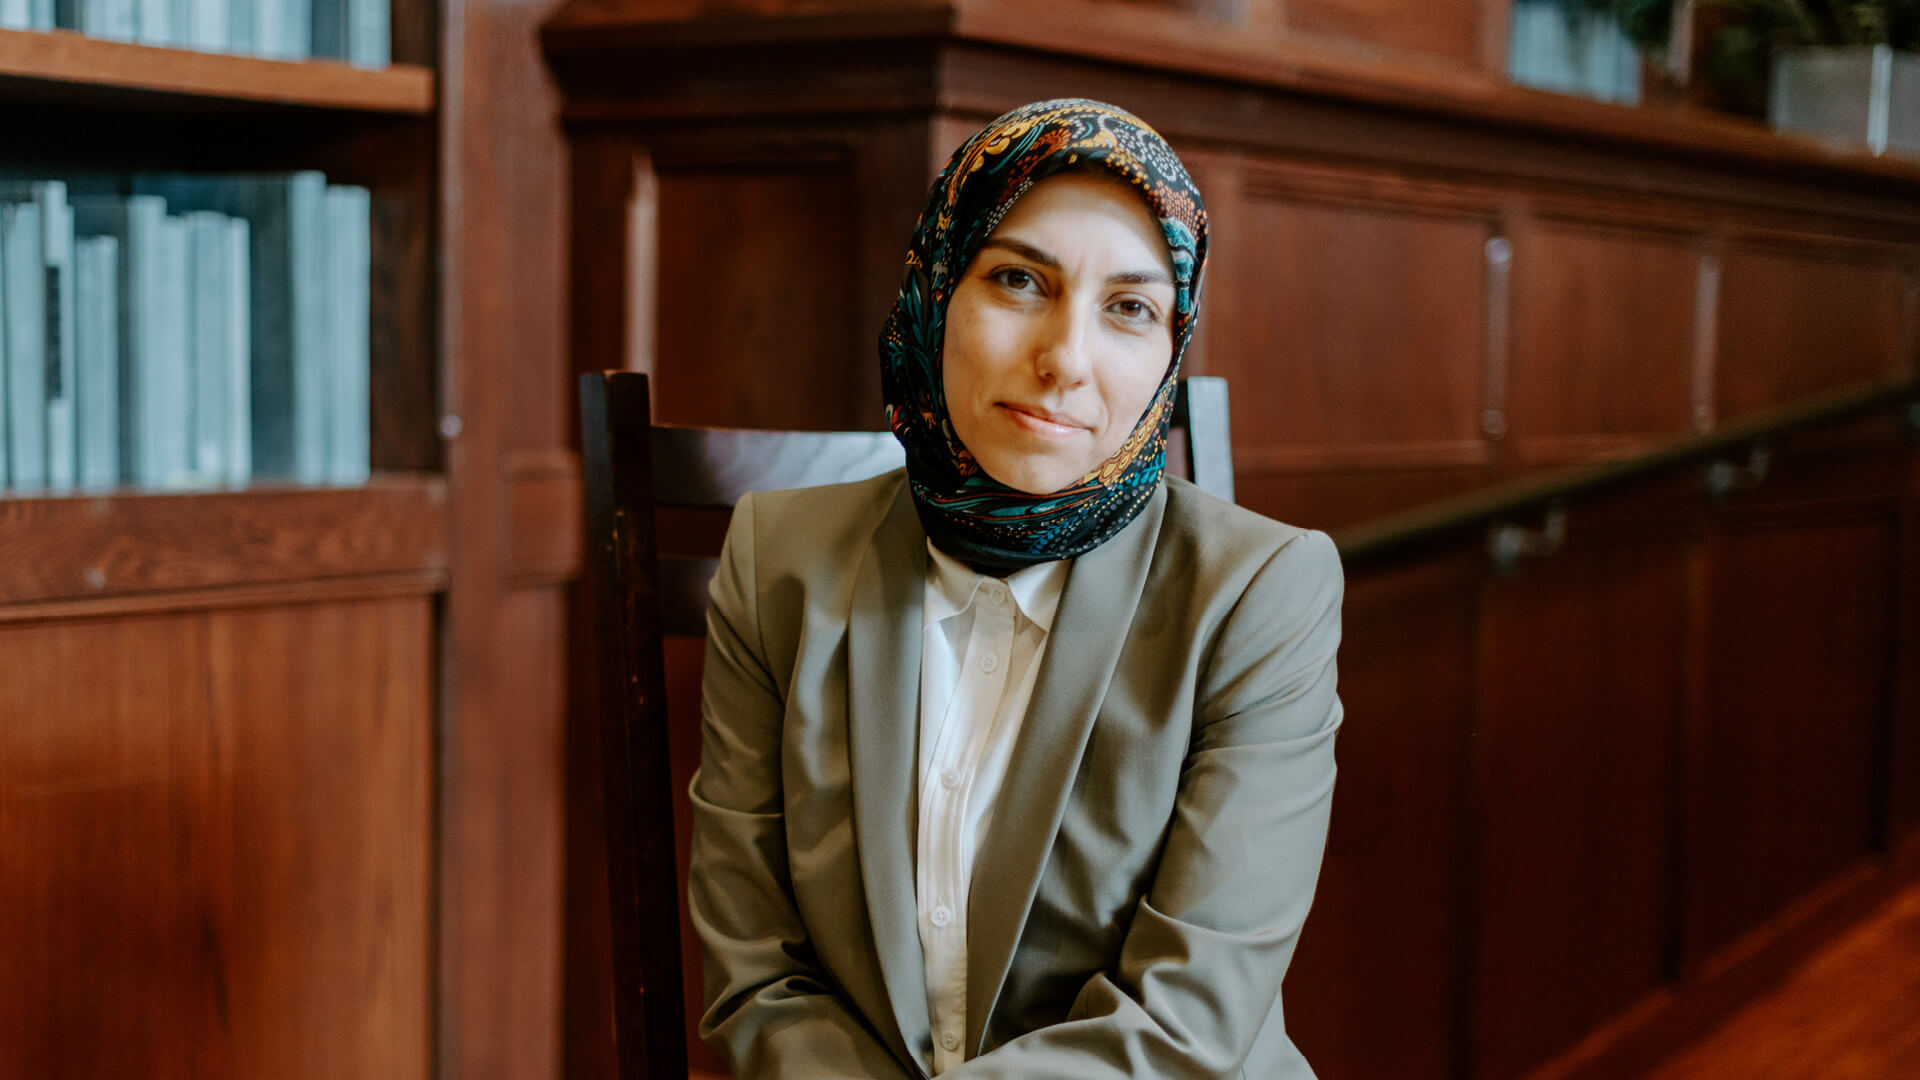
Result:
1063,353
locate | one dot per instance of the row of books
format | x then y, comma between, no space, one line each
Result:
357,31
184,332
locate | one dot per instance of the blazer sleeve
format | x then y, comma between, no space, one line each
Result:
1200,967
771,1011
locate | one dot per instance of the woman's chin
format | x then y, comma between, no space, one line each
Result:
1034,477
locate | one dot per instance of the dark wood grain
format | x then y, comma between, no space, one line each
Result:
218,842
84,547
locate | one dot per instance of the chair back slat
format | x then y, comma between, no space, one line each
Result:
1200,424
648,1002
715,466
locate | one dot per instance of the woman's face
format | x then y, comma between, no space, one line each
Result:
1059,333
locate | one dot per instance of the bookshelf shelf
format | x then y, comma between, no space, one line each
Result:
60,65
130,549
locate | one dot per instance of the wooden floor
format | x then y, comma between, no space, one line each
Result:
1852,1012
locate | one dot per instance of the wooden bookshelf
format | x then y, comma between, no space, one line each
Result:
218,719
66,66
99,554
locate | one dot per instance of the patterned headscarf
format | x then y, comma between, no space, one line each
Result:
966,512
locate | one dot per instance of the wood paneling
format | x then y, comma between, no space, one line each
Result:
1603,339
1529,789
1451,30
1304,333
1795,321
1786,798
216,838
1406,680
83,547
756,295
1576,770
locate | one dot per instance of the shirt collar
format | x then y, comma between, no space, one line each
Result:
951,585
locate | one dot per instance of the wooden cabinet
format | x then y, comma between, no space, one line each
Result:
218,709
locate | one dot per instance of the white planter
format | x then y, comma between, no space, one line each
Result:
1860,93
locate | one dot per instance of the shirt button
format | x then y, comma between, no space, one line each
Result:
996,593
950,1040
941,917
950,779
989,662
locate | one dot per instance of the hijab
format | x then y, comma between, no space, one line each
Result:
967,513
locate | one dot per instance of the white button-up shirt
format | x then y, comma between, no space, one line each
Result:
981,643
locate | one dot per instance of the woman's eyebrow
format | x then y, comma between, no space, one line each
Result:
1034,254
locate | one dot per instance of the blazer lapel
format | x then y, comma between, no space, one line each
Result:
883,680
1096,609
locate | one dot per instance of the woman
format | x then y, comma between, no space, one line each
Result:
1018,763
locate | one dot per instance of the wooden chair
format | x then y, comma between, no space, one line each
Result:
633,470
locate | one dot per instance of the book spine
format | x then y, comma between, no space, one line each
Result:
349,232
207,24
66,14
56,229
240,27
207,342
330,30
41,15
20,246
153,21
16,15
239,381
96,299
120,21
6,468
313,325
167,448
369,32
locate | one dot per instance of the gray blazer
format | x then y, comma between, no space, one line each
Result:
1153,852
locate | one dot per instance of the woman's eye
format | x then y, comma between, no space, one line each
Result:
1014,278
1135,311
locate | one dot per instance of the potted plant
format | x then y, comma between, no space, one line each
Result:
1848,69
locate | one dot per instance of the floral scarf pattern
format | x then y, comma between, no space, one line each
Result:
966,512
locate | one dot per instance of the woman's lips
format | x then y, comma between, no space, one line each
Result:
1041,425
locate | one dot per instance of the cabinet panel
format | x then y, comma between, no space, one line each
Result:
217,843
1576,760
1795,322
1796,680
1603,339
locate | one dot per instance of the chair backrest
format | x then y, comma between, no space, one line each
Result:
633,470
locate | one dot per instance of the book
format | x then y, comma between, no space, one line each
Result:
23,275
134,224
208,325
6,478
114,20
239,358
153,22
283,29
350,268
208,24
292,386
16,15
56,253
357,31
40,15
240,20
96,274
167,450
55,326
